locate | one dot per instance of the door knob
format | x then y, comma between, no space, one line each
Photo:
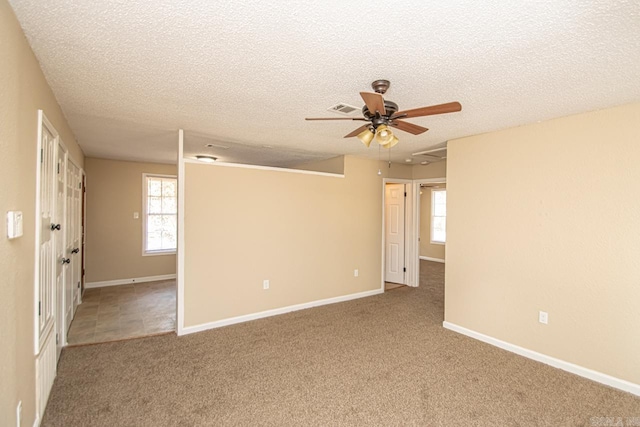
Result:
66,260
55,227
75,250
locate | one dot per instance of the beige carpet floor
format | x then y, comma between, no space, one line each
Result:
382,360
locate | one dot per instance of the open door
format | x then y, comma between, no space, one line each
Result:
72,233
61,260
395,269
83,227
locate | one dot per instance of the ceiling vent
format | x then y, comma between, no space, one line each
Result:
344,109
222,147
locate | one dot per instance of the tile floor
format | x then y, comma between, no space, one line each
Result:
389,286
125,311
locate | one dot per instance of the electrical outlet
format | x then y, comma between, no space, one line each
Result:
136,215
19,414
265,284
355,273
543,317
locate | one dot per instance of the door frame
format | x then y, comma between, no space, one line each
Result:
83,224
410,240
416,213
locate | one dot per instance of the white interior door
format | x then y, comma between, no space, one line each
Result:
49,241
69,229
76,255
394,206
61,262
46,262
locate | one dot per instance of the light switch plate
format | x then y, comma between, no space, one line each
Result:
14,224
543,317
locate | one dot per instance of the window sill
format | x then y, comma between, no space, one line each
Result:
438,243
157,253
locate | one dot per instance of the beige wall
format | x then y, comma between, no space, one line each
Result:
336,165
428,249
114,237
560,234
332,165
305,233
432,170
398,171
24,90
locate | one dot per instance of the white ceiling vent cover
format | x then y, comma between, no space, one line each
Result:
222,147
344,109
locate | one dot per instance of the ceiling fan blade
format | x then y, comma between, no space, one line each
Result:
357,131
408,127
374,101
450,107
337,118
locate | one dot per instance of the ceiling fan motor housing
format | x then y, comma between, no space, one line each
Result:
377,120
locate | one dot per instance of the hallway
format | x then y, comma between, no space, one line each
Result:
125,311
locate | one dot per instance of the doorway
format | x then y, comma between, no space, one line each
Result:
430,203
394,207
398,247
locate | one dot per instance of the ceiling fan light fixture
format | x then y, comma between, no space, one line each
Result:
384,135
366,136
394,141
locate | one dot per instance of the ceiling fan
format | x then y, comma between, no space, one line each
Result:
383,114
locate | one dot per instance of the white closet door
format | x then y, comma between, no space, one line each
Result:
394,233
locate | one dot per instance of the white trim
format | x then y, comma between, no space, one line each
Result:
548,360
36,422
410,260
83,236
266,168
38,226
118,282
428,258
160,252
415,235
180,243
382,256
276,311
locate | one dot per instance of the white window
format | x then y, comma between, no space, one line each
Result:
160,207
438,216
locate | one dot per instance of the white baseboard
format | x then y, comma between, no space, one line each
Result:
548,360
117,282
274,312
428,258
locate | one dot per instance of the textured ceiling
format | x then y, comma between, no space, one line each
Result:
245,74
